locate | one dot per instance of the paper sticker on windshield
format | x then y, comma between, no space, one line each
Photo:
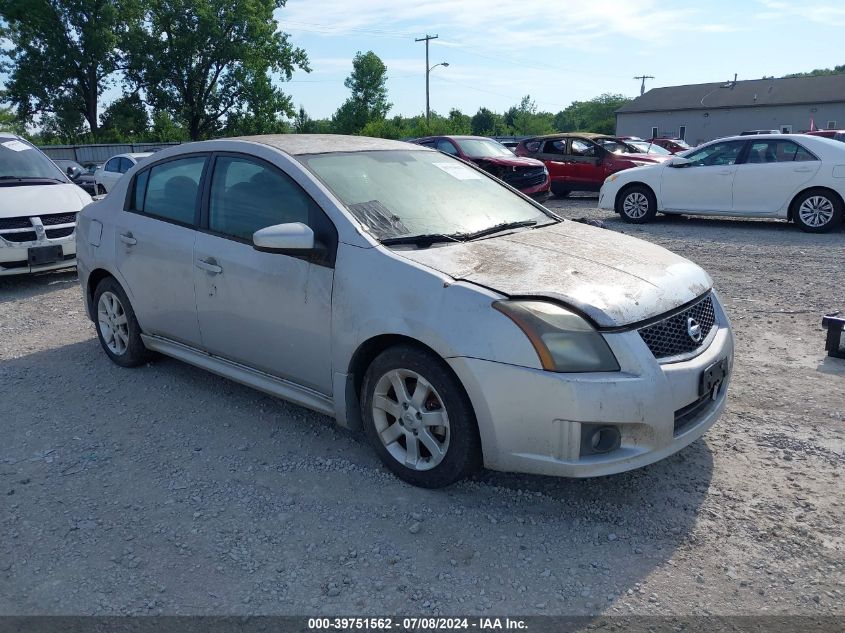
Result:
16,146
461,172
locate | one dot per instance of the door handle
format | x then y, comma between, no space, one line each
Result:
127,239
209,265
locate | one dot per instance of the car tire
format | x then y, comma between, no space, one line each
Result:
559,192
817,211
101,191
636,204
402,423
116,325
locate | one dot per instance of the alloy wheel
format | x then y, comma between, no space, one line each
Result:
635,205
410,419
816,211
113,322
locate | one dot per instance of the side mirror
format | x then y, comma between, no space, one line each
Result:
72,172
293,238
678,161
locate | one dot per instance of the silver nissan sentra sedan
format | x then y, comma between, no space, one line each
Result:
411,295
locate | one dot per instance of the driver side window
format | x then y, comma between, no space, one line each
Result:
717,154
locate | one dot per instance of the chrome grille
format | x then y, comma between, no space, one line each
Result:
670,337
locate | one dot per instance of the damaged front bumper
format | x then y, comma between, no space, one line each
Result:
535,421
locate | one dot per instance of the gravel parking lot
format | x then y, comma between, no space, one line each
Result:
168,490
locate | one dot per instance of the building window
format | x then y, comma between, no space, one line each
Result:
831,125
682,132
786,129
654,133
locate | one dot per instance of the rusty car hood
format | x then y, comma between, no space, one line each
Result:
614,279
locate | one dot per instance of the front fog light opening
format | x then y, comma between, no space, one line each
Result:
598,439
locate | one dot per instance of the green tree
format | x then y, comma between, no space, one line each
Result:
368,101
487,123
818,72
63,54
596,115
9,122
126,118
204,61
165,129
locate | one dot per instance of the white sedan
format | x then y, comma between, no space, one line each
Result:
789,176
108,174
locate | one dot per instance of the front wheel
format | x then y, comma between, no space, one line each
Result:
817,211
637,205
419,419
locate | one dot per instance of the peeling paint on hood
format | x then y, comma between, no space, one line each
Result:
614,279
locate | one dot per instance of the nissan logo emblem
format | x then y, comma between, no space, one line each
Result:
694,329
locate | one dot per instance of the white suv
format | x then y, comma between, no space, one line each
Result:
38,208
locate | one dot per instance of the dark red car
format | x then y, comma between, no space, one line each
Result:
836,135
674,145
526,174
581,161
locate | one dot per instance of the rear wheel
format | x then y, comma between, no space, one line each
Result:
117,327
637,204
560,191
817,211
101,191
418,418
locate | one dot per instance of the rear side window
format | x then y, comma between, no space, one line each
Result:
555,147
125,165
247,196
170,190
773,151
113,165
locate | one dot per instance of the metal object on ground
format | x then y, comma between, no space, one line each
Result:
835,343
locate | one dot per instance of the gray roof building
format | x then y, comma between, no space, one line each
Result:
700,112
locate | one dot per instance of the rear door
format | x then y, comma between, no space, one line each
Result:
771,174
155,247
705,184
269,311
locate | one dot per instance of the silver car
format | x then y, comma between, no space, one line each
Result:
411,295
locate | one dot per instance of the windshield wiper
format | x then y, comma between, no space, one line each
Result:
497,228
29,179
423,239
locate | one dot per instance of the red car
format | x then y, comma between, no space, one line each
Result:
581,161
836,135
674,145
526,174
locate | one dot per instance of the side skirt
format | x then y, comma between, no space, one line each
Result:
272,385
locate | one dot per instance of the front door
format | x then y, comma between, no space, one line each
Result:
268,311
705,184
771,175
154,245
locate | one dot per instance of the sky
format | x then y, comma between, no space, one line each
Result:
558,51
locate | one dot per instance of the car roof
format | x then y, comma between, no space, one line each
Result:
298,144
589,135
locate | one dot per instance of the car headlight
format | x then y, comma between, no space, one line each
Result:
564,341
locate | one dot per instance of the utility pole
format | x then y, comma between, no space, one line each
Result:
426,39
642,85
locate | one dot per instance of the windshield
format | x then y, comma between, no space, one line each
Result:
19,159
483,148
617,147
406,193
648,148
